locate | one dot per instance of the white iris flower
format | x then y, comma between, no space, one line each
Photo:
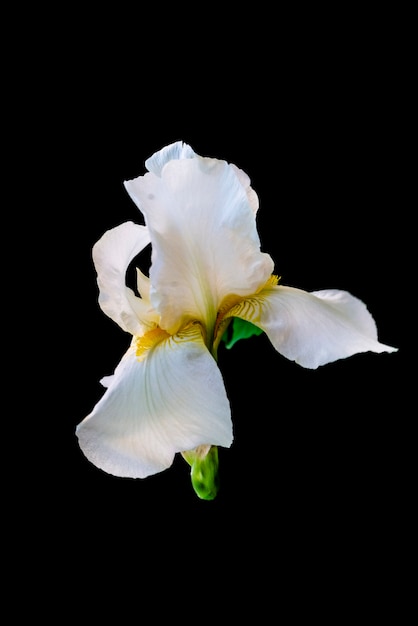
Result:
167,394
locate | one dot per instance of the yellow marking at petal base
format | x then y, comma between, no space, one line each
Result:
148,341
246,307
249,308
226,305
272,281
191,331
230,303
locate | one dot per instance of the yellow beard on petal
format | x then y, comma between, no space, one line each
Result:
272,281
148,341
233,304
226,305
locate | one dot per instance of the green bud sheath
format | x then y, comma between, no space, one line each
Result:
239,329
204,470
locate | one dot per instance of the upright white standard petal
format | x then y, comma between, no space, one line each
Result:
174,151
246,183
181,150
204,239
172,400
112,255
312,328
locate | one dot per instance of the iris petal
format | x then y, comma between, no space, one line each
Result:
174,151
112,255
205,244
174,400
312,328
246,183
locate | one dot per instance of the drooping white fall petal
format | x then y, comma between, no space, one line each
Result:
112,255
312,328
205,244
171,401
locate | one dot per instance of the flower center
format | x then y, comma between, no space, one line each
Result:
211,336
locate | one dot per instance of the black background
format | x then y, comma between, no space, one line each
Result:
314,485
